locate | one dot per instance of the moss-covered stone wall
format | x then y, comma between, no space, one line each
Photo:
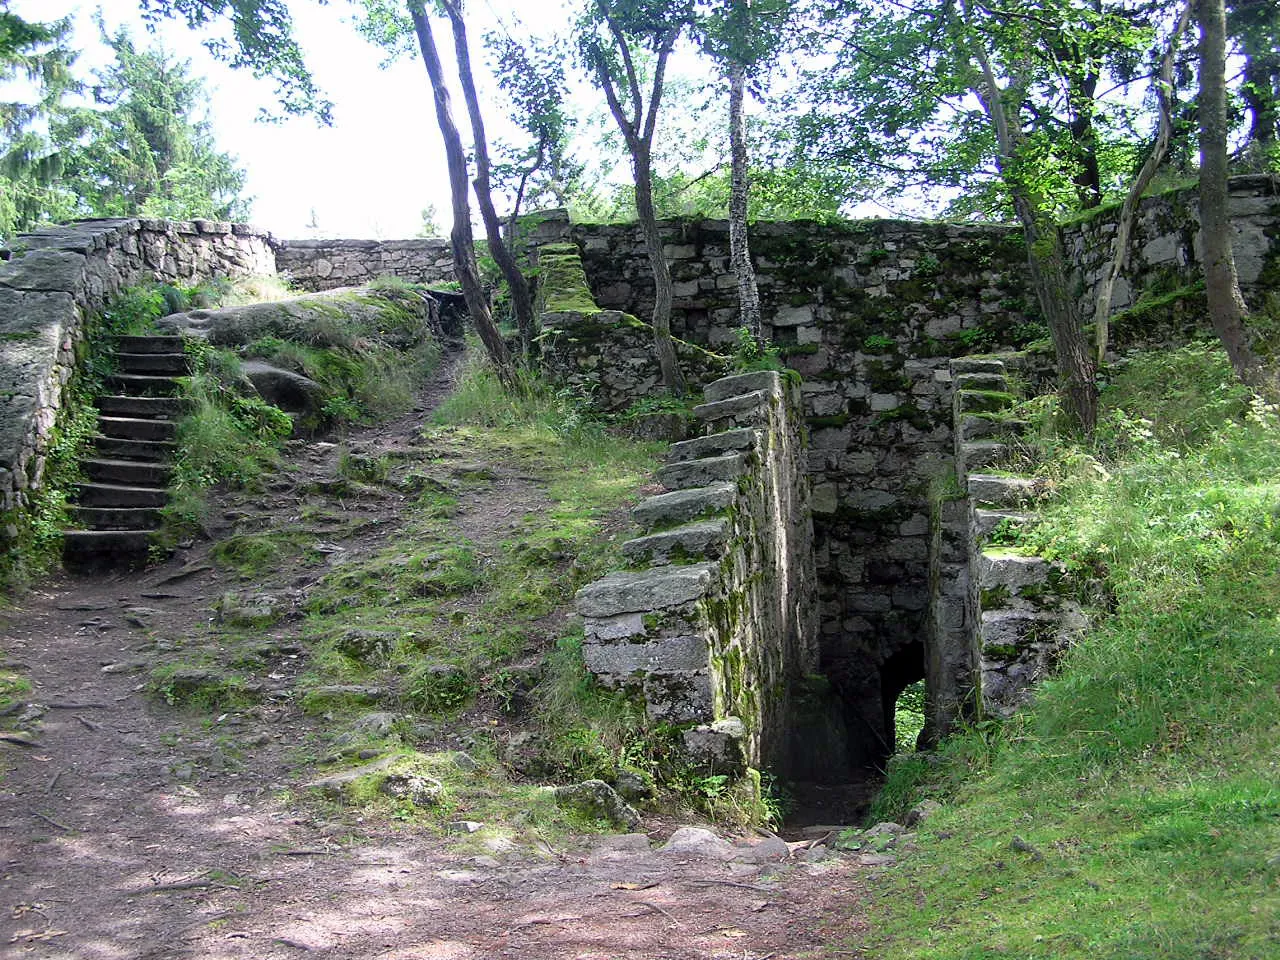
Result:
715,623
871,315
52,281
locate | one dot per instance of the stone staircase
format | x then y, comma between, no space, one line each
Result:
1023,608
117,511
717,614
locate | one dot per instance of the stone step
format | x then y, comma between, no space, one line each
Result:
1013,571
140,385
659,588
146,407
117,518
712,445
981,454
166,364
741,383
128,472
119,495
699,473
992,490
153,451
136,428
980,381
986,428
749,405
981,401
151,344
986,364
681,506
90,551
986,521
660,657
1001,632
701,540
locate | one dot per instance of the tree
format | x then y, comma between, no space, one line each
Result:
1221,285
1163,88
29,166
1046,260
521,301
262,42
144,148
1255,24
974,96
460,237
743,37
140,149
612,35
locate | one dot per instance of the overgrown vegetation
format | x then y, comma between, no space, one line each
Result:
38,541
1133,810
365,370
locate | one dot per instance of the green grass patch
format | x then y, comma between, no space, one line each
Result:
1134,809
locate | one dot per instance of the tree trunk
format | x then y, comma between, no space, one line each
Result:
663,345
739,250
1221,285
638,130
461,240
1129,210
1047,262
1045,259
521,301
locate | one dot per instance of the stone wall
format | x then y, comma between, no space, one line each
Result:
714,625
1165,252
869,314
53,281
326,264
606,357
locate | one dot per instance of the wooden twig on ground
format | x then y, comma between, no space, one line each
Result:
52,822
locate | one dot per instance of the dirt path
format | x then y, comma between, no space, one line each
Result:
130,829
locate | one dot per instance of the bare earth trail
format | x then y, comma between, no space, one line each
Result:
131,829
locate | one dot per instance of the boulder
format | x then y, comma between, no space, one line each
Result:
598,800
291,392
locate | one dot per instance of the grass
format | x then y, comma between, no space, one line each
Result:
1134,809
368,364
463,626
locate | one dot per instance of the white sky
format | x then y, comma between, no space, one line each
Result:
371,173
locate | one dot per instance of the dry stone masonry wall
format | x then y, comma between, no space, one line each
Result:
53,281
714,624
603,356
327,264
872,316
1164,263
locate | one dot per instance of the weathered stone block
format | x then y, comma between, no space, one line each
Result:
700,473
680,506
665,655
640,592
703,539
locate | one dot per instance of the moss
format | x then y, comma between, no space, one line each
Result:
906,413
994,597
563,286
887,377
1000,651
833,422
986,401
